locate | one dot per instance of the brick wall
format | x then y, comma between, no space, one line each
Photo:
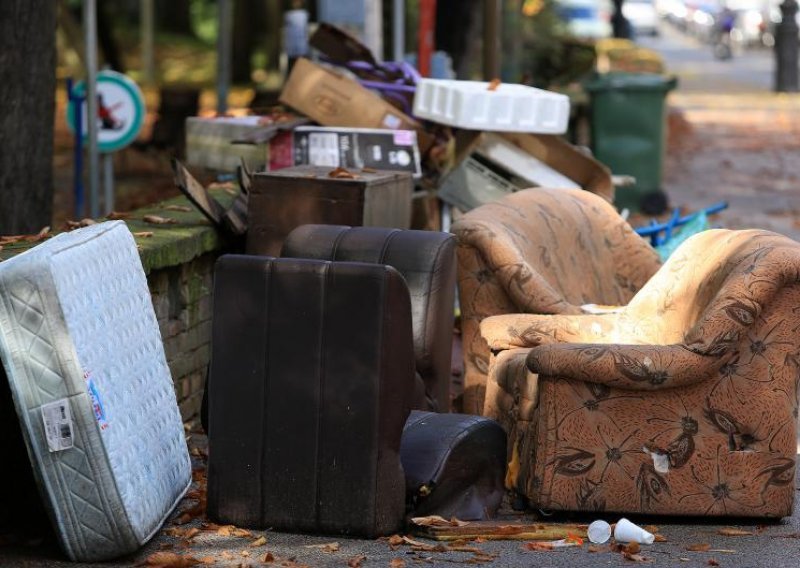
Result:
182,302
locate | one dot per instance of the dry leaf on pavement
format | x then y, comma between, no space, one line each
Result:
356,561
713,562
117,215
170,560
395,540
702,547
633,557
731,531
328,547
267,558
260,541
437,521
182,208
143,234
539,546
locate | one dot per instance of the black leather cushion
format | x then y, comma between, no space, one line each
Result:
426,259
455,465
311,371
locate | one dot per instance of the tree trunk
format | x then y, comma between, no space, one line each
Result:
244,27
27,89
174,17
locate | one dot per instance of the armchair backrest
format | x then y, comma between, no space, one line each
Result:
542,251
426,259
715,285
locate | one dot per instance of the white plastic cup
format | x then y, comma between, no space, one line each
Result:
626,531
599,532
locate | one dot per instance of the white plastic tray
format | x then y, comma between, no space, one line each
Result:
508,108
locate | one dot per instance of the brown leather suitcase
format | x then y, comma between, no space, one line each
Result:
284,199
455,465
312,370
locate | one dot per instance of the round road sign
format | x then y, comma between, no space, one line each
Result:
120,111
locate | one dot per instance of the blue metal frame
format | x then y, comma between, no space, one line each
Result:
654,229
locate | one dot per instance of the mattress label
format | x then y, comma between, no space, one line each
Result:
58,425
97,404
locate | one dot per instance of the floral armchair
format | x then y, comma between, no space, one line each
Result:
684,402
541,251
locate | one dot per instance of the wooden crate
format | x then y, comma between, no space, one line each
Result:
284,199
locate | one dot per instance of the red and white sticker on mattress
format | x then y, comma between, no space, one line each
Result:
58,425
97,404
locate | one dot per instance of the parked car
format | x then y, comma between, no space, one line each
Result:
642,15
586,18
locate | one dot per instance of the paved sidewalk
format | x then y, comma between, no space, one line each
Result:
740,148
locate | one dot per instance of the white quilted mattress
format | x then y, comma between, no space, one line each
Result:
83,354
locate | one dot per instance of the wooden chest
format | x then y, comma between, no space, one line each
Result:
285,199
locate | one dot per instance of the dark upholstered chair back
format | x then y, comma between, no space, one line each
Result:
426,259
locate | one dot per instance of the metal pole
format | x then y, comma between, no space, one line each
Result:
491,39
147,24
786,46
224,48
90,25
76,102
108,182
398,29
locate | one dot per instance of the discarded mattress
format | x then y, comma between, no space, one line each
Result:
86,368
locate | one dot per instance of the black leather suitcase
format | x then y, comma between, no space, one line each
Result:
312,371
455,465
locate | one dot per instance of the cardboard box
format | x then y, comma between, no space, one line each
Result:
558,156
503,163
220,143
335,100
357,148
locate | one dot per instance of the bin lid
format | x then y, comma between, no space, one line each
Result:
631,82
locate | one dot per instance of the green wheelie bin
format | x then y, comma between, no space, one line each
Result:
628,132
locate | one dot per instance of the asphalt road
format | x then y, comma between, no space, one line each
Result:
751,70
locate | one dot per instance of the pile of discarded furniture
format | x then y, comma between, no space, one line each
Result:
597,378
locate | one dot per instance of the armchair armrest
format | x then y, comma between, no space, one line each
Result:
633,367
509,331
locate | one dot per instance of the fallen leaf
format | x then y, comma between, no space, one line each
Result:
703,547
328,547
651,529
395,540
245,553
241,533
260,541
633,557
182,208
158,220
183,519
143,234
539,546
659,538
712,562
170,560
593,548
493,84
117,215
226,530
437,521
342,173
267,558
722,550
730,531
397,563
356,561
632,548
191,533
